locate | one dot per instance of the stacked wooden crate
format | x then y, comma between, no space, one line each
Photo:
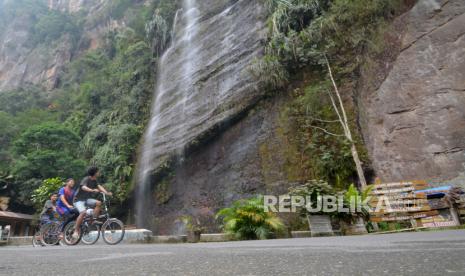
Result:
393,202
461,208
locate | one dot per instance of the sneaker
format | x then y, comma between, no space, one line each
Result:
75,236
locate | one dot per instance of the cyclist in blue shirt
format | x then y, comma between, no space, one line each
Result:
65,202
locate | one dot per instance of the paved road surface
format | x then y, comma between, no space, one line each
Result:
425,253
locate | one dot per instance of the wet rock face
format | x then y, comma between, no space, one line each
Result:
203,77
414,122
247,159
203,86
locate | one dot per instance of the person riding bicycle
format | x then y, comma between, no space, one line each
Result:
85,197
49,213
65,203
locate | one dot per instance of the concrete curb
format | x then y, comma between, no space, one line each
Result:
143,236
20,241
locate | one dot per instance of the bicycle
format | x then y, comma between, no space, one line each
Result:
47,234
51,233
37,237
111,229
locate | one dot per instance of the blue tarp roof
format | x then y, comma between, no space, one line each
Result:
435,190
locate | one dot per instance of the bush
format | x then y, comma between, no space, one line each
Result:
269,72
42,194
247,219
312,189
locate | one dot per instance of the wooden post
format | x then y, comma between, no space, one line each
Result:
21,229
12,229
455,215
413,222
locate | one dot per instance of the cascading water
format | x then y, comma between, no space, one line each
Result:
173,88
203,85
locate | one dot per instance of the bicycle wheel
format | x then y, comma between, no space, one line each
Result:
113,231
68,236
90,234
51,234
37,239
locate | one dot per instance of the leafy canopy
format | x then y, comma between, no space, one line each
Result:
45,151
47,136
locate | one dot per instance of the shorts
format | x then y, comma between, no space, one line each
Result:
70,214
81,206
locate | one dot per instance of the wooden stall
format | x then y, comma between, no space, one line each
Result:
20,224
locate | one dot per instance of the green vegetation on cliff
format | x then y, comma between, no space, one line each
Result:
301,34
100,108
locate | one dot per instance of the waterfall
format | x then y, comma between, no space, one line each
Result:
174,84
175,22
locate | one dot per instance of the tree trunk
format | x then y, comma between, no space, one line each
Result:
345,125
358,165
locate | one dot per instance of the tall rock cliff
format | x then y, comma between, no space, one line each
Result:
20,62
24,61
412,114
203,86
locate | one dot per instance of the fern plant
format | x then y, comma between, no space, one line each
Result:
361,210
247,219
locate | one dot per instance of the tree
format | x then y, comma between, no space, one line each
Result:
44,164
7,132
5,181
47,136
339,109
22,99
45,151
345,126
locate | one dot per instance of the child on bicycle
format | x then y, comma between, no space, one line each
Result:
65,203
49,213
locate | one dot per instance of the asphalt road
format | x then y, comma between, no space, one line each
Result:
425,253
